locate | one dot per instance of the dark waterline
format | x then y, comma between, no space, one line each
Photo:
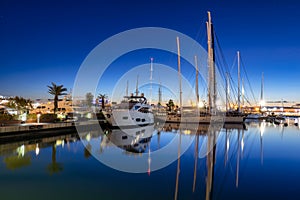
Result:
261,162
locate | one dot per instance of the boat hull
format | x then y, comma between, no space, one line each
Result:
201,119
128,118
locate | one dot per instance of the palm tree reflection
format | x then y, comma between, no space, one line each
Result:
87,150
54,167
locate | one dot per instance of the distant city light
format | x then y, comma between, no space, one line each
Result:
200,104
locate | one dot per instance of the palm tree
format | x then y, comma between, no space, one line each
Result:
56,90
20,104
102,97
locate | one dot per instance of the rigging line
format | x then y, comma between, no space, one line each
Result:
201,31
227,169
233,89
230,99
190,75
227,68
219,61
233,85
247,100
221,53
248,81
234,63
243,66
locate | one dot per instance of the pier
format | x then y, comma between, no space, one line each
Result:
39,130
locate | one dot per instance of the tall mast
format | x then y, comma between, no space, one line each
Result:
197,84
137,86
262,90
179,75
159,94
243,94
151,78
239,77
282,107
212,95
227,91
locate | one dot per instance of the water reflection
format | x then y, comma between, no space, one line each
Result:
210,137
19,154
15,161
54,166
222,161
135,140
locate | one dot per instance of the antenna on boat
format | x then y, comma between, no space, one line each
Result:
127,88
179,75
137,86
151,78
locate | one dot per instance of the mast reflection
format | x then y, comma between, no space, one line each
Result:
262,127
210,136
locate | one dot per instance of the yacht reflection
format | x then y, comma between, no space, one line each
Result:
134,140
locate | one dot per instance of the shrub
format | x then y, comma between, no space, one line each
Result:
6,117
32,117
48,118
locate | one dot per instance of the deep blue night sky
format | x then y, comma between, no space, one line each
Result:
45,41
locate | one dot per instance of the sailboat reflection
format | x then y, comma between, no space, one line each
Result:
135,140
262,127
206,140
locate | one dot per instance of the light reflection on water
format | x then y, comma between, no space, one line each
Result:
259,162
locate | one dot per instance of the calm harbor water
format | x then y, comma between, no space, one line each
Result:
261,161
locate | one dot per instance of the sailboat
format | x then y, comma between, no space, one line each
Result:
211,115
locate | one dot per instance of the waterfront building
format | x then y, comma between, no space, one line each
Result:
47,106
